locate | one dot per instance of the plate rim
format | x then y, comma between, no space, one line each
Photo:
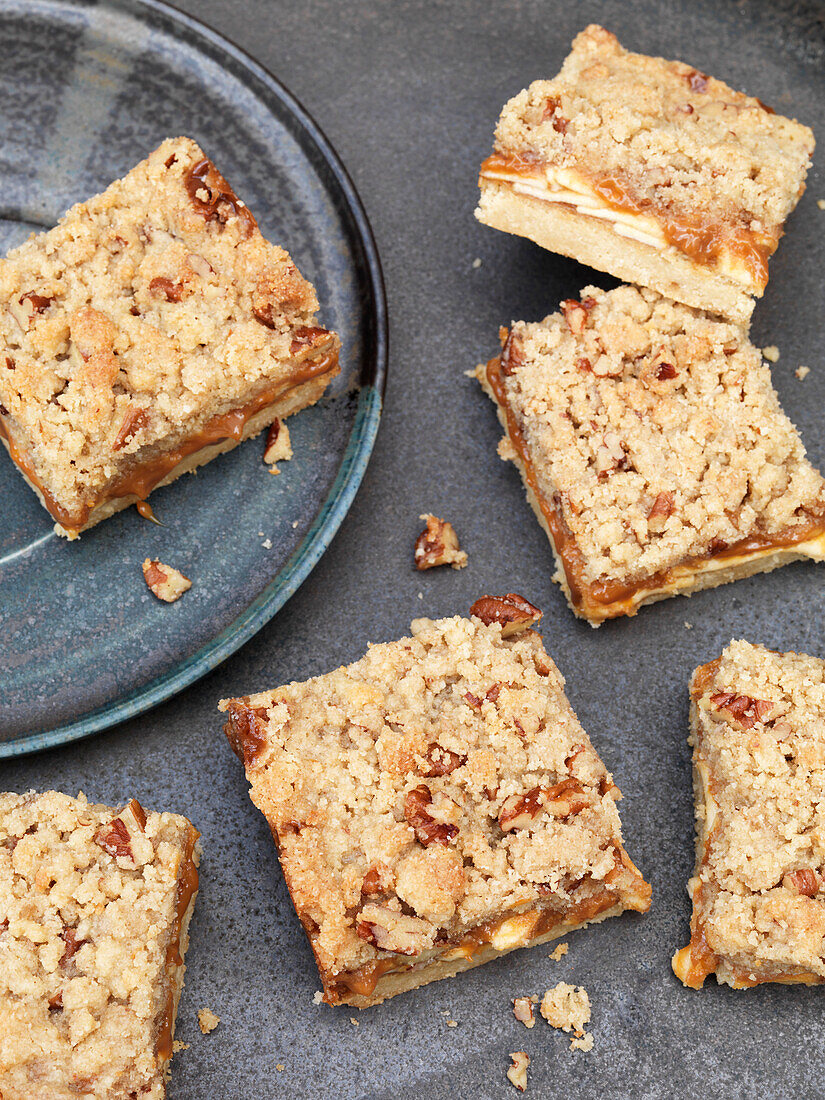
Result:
353,464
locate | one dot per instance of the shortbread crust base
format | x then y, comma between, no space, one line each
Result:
301,397
683,580
591,241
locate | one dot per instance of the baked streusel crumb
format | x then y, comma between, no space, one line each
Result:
650,170
758,737
653,448
94,912
435,804
152,328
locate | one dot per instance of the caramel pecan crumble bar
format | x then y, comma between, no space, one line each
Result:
758,735
653,450
94,912
434,805
152,329
650,170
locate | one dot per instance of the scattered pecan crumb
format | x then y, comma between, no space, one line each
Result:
452,1023
354,1022
477,262
523,1011
438,545
280,1067
207,1020
178,1046
166,583
771,353
688,626
559,952
318,997
278,445
802,372
517,1073
821,204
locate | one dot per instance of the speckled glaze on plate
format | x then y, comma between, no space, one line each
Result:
85,92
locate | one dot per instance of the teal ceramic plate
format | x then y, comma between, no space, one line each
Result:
85,91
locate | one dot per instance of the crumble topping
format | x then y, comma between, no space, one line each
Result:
758,736
656,431
146,311
681,143
207,1020
440,782
89,954
567,1007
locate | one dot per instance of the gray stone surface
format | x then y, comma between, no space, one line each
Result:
408,93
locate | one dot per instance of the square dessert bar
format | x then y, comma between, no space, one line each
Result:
435,804
94,913
649,170
653,450
150,330
758,733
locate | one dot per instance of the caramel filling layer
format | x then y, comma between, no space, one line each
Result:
737,251
531,925
140,481
608,599
187,887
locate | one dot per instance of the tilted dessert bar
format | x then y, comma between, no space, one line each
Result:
649,170
653,449
152,329
94,914
435,804
758,733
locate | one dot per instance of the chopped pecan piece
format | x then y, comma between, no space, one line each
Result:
575,314
517,1073
441,761
745,711
371,886
512,356
278,445
389,930
73,945
661,511
418,806
563,799
512,611
523,1011
245,732
166,583
438,545
116,837
697,82
804,882
213,198
665,371
134,421
307,336
161,287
